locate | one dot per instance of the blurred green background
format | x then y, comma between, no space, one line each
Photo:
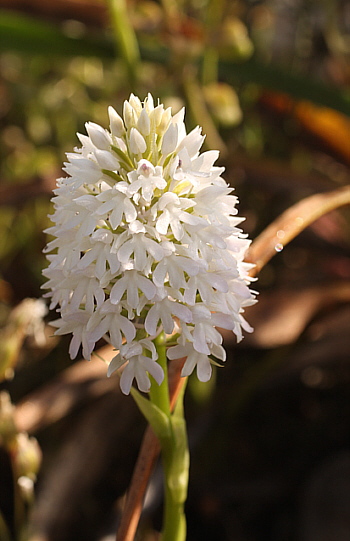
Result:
270,84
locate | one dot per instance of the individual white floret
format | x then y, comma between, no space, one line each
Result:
76,323
138,366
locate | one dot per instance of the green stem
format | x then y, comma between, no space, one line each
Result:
176,462
174,526
125,36
159,394
174,451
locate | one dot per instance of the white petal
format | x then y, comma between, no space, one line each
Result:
199,342
189,365
115,363
125,251
224,321
159,274
88,257
218,352
146,287
148,344
128,328
74,346
192,142
169,140
129,210
106,160
115,336
127,378
132,295
178,352
152,319
154,249
167,320
182,312
114,263
162,222
188,265
116,216
118,289
204,368
140,256
154,369
142,379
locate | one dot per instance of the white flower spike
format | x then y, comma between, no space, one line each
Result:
145,231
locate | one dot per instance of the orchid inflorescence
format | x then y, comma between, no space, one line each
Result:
146,241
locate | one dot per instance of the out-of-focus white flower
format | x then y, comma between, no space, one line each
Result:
29,316
145,232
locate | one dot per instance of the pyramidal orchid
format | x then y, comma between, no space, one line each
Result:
146,240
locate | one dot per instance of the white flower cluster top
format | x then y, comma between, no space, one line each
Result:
146,240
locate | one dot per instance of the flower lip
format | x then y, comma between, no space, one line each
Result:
145,168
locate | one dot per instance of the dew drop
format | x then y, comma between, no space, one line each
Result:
281,234
279,247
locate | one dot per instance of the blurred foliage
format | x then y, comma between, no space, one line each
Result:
270,84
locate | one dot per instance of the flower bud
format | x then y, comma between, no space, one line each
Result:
164,123
137,142
149,103
143,123
135,102
129,115
116,122
157,114
97,135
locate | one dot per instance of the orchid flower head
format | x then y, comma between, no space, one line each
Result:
145,240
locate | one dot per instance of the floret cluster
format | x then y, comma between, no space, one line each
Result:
146,240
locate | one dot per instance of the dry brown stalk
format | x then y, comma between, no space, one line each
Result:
294,220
